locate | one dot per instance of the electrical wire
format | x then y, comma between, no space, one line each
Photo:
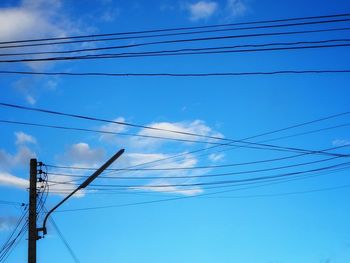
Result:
227,181
179,28
157,52
21,107
205,149
169,199
4,202
214,74
284,194
171,53
189,191
13,239
210,166
63,239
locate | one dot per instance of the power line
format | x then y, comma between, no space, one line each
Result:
4,202
204,167
116,133
172,199
180,155
64,240
216,74
187,41
178,28
21,107
13,239
104,132
165,35
180,52
256,136
225,174
285,194
186,49
105,190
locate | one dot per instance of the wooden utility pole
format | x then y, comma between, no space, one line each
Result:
32,232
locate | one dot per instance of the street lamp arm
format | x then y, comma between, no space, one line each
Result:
83,185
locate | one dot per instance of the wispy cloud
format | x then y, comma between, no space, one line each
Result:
202,10
6,222
197,127
22,138
11,180
236,8
83,155
216,157
112,127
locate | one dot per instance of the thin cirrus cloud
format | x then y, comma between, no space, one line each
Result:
22,138
236,8
202,10
7,222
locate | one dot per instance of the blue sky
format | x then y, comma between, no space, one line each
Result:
275,223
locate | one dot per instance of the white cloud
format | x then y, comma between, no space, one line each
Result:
20,158
82,154
197,127
77,155
35,19
202,10
171,189
114,128
215,157
139,158
22,138
142,150
11,180
236,8
165,182
6,223
30,19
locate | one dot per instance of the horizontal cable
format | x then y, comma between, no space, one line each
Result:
190,49
240,172
255,136
4,202
177,29
21,107
167,35
216,74
278,181
181,52
96,190
190,40
227,165
196,167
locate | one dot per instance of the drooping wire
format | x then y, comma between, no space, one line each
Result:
177,28
63,239
174,198
187,51
90,118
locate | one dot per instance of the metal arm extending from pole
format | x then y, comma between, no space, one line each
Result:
83,185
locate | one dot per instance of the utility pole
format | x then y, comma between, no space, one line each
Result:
32,232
